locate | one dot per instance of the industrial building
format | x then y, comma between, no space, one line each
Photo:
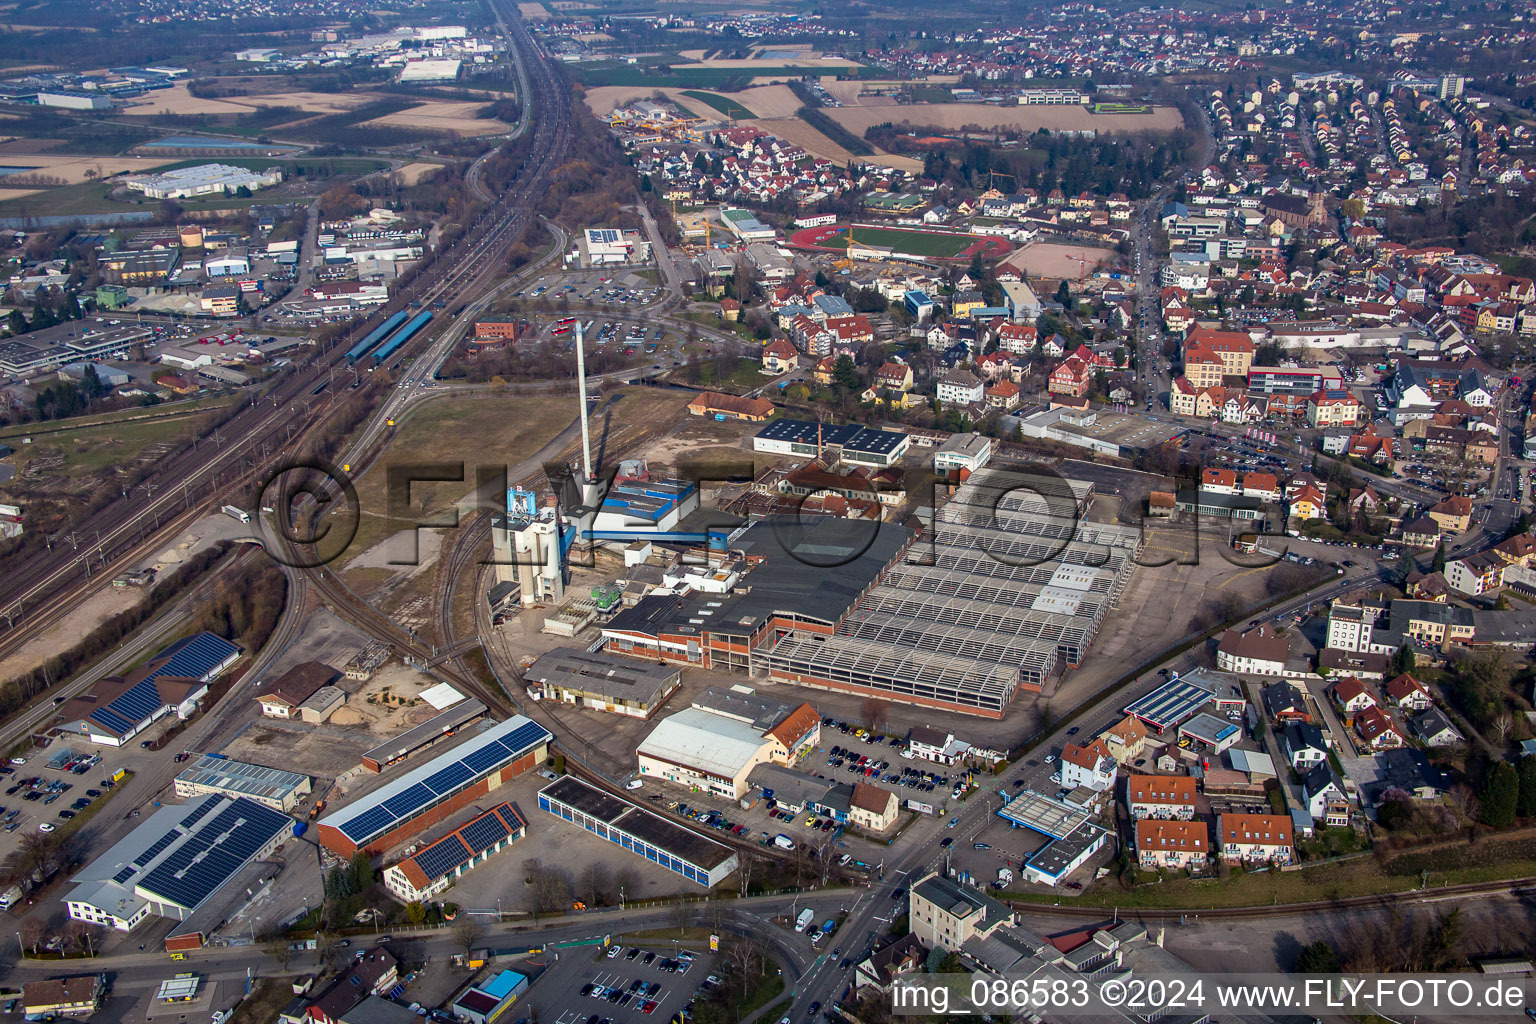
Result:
118,708
401,809
270,787
202,180
603,682
1211,733
694,856
175,861
430,871
853,444
601,247
1009,585
282,697
398,748
418,72
1073,835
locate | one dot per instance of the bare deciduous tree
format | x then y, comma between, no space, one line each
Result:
467,933
874,711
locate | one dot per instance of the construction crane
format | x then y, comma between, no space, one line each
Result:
992,177
1081,260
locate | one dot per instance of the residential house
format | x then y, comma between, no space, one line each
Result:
1071,377
1433,728
1126,740
872,808
1172,844
1453,515
1408,693
1333,408
1322,788
1160,796
1284,702
886,965
1260,651
1303,744
779,356
1377,729
1255,838
1090,765
1350,695
1306,503
960,388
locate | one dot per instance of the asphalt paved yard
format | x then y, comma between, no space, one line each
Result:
620,989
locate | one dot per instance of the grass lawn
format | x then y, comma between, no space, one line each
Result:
494,430
730,108
748,375
686,76
1363,876
88,197
918,243
164,411
91,449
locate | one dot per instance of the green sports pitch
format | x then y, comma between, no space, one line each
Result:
1122,108
919,243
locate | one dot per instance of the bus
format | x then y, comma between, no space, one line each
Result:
564,326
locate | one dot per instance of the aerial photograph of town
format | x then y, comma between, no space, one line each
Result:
719,512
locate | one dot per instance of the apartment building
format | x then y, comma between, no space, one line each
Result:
1255,838
1172,844
1162,797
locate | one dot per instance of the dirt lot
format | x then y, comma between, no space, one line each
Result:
72,169
533,12
413,173
443,116
955,116
177,100
850,93
1056,262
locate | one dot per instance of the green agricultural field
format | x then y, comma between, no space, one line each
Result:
730,108
918,243
1122,108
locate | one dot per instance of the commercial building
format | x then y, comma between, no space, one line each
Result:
943,914
175,861
1170,704
603,246
118,708
1213,733
67,99
402,809
602,682
699,749
745,226
79,996
270,787
202,180
731,407
660,841
485,1001
419,72
1260,651
429,872
1073,835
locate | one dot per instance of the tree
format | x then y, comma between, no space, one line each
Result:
874,712
329,949
1527,802
360,876
1500,796
415,913
1403,659
1437,564
276,946
592,884
466,933
1317,958
845,375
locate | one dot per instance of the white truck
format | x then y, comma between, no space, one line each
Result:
783,842
1004,876
237,513
804,920
10,897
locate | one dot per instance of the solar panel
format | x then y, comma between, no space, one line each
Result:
214,852
195,657
198,813
111,719
412,799
525,737
486,758
159,845
442,857
125,874
449,778
366,824
484,831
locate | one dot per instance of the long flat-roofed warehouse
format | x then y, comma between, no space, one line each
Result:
637,830
601,681
422,797
1170,704
398,748
271,787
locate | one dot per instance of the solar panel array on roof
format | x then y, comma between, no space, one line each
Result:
197,814
125,874
472,839
408,795
158,845
214,852
195,657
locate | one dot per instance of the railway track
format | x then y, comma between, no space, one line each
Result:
39,586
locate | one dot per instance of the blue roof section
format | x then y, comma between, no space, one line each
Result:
407,796
503,985
194,657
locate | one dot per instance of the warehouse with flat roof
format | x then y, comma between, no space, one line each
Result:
1170,704
660,841
271,787
602,682
401,809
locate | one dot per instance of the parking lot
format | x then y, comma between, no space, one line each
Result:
628,985
60,792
